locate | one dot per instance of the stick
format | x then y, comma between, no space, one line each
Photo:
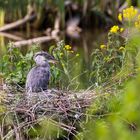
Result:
11,36
33,41
17,23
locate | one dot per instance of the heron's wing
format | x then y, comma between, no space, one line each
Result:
38,78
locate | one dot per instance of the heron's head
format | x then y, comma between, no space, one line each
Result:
43,58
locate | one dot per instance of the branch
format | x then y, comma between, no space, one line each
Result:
18,23
33,41
11,36
123,6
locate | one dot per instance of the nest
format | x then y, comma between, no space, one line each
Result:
63,107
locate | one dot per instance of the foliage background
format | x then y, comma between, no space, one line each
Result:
113,72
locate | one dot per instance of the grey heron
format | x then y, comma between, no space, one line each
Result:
38,77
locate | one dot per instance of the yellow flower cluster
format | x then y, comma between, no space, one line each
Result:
137,23
70,51
116,29
128,14
103,46
121,29
68,47
77,54
120,18
61,54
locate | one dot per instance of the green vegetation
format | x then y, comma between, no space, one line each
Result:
113,73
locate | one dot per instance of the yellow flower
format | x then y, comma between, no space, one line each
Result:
121,48
138,17
137,22
107,59
70,51
114,29
61,54
120,17
77,54
63,64
67,47
129,13
121,29
102,46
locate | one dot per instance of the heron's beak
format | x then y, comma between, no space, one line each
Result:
53,61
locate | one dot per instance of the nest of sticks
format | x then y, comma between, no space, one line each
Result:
63,107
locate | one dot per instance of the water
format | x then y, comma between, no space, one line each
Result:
85,42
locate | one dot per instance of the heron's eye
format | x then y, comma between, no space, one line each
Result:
43,58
